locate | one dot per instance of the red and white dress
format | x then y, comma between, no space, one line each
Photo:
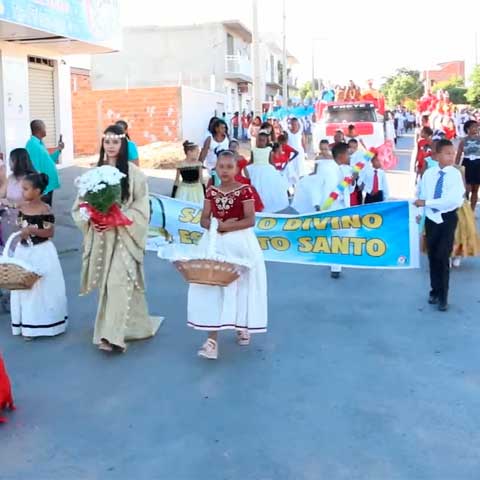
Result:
243,304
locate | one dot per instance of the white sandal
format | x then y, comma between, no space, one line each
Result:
209,350
243,337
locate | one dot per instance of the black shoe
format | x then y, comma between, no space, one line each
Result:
443,306
335,274
432,299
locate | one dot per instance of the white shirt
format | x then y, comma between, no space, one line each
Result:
366,179
313,190
453,192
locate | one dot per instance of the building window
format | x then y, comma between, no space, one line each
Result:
41,61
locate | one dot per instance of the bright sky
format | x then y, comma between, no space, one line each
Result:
356,39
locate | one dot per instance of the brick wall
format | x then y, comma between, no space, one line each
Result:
446,71
153,114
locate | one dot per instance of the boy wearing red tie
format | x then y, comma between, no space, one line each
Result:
441,194
374,182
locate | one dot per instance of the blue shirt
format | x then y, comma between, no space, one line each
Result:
44,162
132,151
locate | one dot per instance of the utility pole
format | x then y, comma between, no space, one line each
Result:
257,77
284,59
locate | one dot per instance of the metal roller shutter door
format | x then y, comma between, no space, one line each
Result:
42,99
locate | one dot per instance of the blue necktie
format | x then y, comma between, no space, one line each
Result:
437,193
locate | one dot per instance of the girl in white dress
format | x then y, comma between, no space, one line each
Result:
242,305
269,182
42,310
217,140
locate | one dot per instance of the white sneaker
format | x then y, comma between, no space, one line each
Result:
209,350
457,261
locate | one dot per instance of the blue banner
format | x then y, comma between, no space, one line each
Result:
91,21
379,235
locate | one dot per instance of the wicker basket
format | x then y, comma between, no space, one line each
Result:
208,272
14,274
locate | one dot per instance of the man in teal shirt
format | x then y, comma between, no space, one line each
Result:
42,160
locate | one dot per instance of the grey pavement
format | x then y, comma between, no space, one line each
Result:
357,378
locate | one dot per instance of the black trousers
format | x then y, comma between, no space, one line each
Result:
48,198
374,198
440,239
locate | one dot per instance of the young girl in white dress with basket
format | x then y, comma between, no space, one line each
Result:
40,311
242,305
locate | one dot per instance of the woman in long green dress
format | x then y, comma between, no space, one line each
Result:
113,257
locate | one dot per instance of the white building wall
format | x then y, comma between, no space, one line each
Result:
14,98
197,107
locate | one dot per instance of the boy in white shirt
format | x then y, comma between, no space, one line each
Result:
373,182
441,193
342,169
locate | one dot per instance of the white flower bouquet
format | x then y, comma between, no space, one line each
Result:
101,192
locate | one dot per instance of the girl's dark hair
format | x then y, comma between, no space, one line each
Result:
122,159
189,146
124,125
210,124
21,163
275,146
283,137
216,124
38,180
468,124
324,142
225,153
233,140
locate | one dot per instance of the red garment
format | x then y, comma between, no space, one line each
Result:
355,198
235,121
281,158
242,162
424,150
258,201
245,121
6,397
375,182
450,133
226,205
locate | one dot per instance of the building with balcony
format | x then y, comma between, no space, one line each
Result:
37,40
210,56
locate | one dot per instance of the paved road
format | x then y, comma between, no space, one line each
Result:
357,378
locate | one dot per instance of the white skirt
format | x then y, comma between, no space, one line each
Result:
42,310
243,304
307,194
270,185
298,164
191,192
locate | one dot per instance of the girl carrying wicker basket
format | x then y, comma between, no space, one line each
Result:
242,305
40,311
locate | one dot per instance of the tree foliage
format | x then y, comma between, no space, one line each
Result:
455,88
306,90
473,92
403,84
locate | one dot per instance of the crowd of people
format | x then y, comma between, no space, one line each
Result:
231,180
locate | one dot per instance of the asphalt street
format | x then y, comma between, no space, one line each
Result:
357,378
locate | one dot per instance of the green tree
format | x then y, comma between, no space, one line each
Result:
306,90
473,92
403,84
455,88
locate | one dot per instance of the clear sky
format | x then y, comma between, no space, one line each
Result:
355,39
